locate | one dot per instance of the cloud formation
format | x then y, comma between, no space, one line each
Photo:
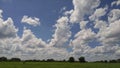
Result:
116,3
1,11
107,35
7,28
82,8
62,32
30,20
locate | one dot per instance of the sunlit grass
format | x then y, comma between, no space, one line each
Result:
57,65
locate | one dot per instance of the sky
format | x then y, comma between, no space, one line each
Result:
59,29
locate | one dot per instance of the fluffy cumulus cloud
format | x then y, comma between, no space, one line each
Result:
80,43
7,28
35,48
11,47
31,20
114,15
9,39
109,35
30,41
52,52
83,24
98,13
115,3
62,32
82,8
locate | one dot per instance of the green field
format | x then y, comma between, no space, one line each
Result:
57,65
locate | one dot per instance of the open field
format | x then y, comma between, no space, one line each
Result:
57,65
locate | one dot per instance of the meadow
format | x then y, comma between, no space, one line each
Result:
57,65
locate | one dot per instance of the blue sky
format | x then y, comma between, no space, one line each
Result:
60,28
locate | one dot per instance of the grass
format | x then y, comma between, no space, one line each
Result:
57,65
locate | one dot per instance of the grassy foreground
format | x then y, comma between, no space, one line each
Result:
57,65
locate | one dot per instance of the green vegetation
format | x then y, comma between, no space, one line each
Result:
51,63
57,65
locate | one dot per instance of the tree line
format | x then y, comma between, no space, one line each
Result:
4,59
71,59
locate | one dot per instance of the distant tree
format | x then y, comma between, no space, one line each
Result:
50,60
81,59
64,60
3,59
113,61
71,59
118,60
43,60
105,61
15,59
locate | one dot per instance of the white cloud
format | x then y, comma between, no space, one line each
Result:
68,12
52,52
100,24
62,32
83,24
111,34
9,47
98,13
7,28
33,48
82,8
104,52
115,3
114,15
85,34
109,37
95,17
1,11
31,21
8,36
118,52
29,40
80,43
